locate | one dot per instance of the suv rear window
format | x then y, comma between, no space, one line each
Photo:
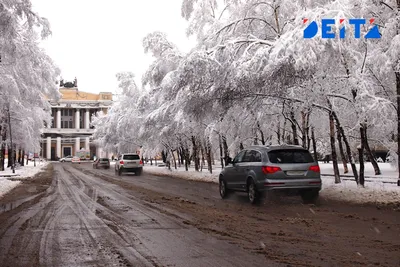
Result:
131,157
103,159
290,156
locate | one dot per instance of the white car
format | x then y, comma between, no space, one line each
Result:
129,162
66,159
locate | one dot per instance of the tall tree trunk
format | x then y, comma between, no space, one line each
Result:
202,155
9,156
304,131
19,156
361,156
195,154
348,148
164,156
284,131
261,133
220,151
208,155
398,115
314,143
23,156
278,133
14,154
308,129
294,128
369,152
178,155
2,156
241,147
3,133
255,137
173,158
225,147
342,155
187,158
333,148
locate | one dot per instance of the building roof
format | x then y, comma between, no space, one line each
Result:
74,94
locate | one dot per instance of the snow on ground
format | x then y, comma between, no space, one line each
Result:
386,169
204,176
23,172
375,191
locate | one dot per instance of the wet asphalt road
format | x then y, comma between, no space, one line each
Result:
82,220
73,215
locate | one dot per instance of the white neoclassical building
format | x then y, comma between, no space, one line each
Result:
71,130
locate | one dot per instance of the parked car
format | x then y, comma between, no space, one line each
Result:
260,169
66,159
76,159
129,162
101,163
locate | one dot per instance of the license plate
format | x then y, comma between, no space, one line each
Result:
298,173
131,165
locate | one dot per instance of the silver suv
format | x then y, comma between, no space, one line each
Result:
129,162
259,169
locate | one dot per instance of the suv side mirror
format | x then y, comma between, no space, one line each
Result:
229,160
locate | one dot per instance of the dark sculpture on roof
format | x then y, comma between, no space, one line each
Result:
69,84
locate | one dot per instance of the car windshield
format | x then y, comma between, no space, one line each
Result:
131,157
290,156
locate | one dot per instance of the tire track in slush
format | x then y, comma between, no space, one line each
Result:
155,226
102,238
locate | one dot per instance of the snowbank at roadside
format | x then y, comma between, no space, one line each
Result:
7,185
23,172
374,192
387,170
204,176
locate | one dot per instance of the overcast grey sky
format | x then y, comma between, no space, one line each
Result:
94,39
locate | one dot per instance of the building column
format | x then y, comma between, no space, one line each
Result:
87,143
58,150
48,148
59,118
77,118
77,144
87,119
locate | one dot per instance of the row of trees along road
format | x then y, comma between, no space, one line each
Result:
253,79
27,75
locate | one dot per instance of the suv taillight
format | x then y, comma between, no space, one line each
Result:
270,169
121,162
314,168
141,162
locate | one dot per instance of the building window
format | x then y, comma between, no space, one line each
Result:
67,118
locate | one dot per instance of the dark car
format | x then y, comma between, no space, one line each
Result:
259,169
101,163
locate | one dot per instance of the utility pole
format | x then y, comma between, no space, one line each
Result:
11,142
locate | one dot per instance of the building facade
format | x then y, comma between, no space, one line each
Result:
71,130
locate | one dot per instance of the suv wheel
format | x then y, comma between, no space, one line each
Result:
252,193
119,172
138,172
223,190
309,196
